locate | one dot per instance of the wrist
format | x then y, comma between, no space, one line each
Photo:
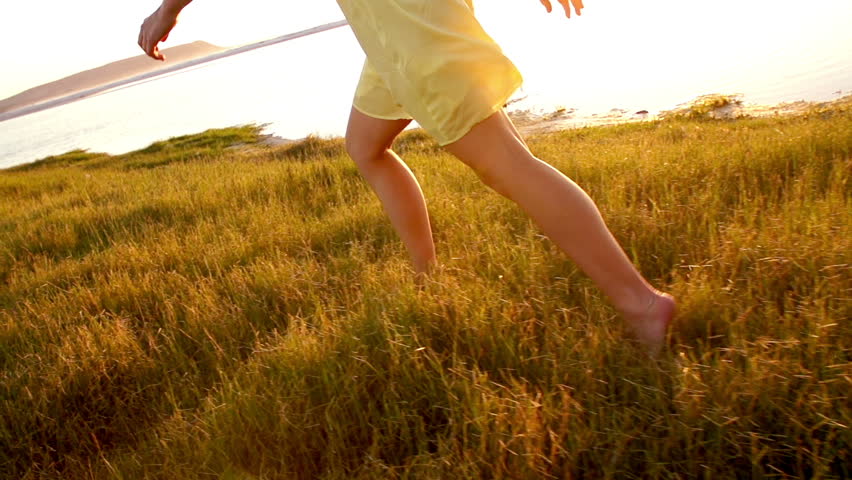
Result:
173,7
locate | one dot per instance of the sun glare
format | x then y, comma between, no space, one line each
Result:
634,50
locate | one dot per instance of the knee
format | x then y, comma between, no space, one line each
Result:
492,180
363,152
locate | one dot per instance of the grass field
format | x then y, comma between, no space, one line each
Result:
199,310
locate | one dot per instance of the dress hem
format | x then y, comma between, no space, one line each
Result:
380,117
495,107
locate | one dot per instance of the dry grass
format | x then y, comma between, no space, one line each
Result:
193,311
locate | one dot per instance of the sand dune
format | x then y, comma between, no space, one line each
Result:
106,74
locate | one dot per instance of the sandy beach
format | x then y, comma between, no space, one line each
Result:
531,122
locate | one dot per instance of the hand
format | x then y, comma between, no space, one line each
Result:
566,4
155,29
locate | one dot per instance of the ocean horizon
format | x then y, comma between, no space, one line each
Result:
280,88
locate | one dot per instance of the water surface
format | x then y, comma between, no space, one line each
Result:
305,86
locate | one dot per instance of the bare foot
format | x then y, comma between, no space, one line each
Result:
421,279
425,272
650,326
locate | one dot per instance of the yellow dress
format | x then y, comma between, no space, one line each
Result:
429,60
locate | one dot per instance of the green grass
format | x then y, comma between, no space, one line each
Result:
192,310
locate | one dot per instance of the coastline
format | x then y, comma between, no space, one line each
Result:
529,121
48,102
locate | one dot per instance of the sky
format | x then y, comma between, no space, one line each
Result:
617,39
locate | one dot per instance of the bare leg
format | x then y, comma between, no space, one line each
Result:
569,217
368,142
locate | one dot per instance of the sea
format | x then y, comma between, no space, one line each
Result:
305,87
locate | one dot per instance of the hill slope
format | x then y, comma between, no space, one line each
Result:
192,309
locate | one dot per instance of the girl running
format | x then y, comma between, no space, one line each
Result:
430,60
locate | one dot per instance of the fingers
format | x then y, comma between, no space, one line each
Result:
547,5
143,42
566,5
151,33
151,48
155,53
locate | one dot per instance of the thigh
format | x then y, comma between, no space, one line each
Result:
367,136
436,61
492,143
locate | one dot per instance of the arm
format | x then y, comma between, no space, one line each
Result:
156,28
578,5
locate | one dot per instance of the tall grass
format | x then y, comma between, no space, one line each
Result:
200,310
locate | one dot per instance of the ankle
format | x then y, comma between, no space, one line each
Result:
638,304
424,266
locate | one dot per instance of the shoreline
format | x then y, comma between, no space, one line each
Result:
531,121
161,72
